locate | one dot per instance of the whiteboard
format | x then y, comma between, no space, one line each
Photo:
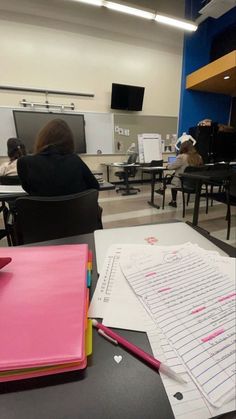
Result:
98,130
150,147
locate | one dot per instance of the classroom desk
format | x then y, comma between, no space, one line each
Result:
106,186
107,165
105,390
11,192
205,177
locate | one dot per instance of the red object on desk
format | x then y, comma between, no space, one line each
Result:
4,261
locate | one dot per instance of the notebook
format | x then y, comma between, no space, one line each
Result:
43,311
171,159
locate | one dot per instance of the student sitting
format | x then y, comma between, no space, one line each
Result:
15,150
188,156
55,169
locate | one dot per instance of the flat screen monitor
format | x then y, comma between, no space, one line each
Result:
29,123
127,97
171,159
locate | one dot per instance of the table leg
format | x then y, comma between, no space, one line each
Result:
151,202
164,192
108,173
197,202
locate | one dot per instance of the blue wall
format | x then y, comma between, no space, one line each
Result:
195,106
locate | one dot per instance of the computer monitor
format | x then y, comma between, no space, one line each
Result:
171,159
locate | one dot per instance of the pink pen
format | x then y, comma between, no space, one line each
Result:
149,359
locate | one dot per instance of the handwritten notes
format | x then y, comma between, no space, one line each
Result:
185,294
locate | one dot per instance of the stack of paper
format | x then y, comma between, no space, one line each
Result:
43,311
184,298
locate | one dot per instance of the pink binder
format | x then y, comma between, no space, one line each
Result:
43,310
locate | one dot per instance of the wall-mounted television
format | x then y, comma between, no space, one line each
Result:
126,97
29,123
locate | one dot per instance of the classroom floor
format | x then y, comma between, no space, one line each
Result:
124,211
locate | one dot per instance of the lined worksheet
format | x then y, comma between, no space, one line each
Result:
186,400
102,293
193,303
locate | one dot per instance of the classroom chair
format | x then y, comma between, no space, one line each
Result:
5,207
227,196
188,186
46,218
10,180
126,174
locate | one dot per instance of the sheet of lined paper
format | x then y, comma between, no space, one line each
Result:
193,303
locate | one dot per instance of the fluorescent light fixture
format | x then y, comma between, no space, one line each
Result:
176,22
129,10
182,24
226,77
92,2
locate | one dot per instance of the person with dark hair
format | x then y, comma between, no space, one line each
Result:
188,156
54,169
15,150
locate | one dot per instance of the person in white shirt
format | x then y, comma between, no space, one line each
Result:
15,149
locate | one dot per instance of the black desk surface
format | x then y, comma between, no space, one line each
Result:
105,390
208,175
104,186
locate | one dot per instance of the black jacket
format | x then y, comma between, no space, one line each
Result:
50,173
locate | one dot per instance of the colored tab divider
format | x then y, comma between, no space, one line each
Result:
89,268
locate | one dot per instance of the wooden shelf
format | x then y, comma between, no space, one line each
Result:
210,78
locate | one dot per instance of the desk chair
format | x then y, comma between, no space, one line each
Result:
153,163
10,180
45,218
188,186
5,209
219,184
128,172
228,197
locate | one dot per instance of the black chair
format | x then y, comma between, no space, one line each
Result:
218,184
4,208
10,180
188,186
228,197
153,163
46,218
126,174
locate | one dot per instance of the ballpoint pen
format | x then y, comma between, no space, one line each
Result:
144,356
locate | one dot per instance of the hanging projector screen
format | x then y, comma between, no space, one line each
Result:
29,123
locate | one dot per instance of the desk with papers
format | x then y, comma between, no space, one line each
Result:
116,384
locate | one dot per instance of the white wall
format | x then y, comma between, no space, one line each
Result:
64,57
45,53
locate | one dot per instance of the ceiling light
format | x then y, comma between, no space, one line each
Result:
129,10
176,22
226,77
92,2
